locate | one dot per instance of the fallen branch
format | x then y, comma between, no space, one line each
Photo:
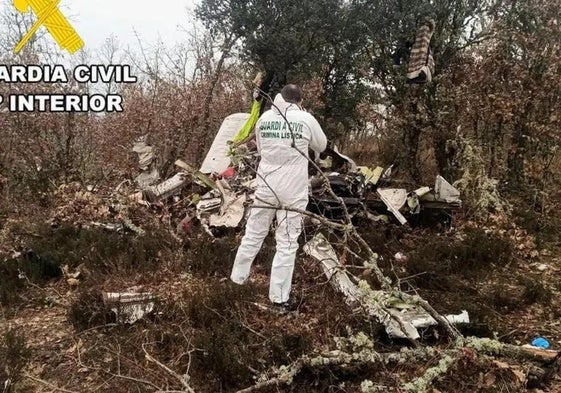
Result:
48,384
321,219
371,301
183,379
380,303
375,306
482,346
419,301
492,347
384,281
367,356
421,384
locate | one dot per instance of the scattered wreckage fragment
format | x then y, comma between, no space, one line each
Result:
367,190
221,205
150,174
394,199
400,319
129,306
218,159
228,181
227,178
231,188
167,188
443,196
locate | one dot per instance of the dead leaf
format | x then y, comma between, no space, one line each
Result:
501,365
489,380
519,374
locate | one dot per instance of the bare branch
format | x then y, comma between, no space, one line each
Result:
183,379
48,384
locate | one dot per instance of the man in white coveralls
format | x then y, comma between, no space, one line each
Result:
282,180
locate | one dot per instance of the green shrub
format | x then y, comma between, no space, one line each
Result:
477,253
223,342
89,311
535,291
14,356
211,257
10,282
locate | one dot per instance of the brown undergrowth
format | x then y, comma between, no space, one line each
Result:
224,336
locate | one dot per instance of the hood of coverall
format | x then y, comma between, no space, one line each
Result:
280,105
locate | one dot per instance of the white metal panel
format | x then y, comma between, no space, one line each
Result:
217,159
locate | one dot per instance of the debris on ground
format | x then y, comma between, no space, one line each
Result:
74,276
149,174
227,179
129,306
217,159
218,196
540,342
400,318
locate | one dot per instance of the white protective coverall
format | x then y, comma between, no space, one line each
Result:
282,180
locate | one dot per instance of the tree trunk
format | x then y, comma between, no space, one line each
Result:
516,156
205,137
444,157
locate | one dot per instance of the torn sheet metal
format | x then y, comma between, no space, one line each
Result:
129,306
352,165
169,187
371,176
445,192
207,205
423,320
394,199
125,226
108,226
420,192
144,151
227,210
147,178
388,172
392,312
231,204
217,159
413,199
150,174
320,249
230,215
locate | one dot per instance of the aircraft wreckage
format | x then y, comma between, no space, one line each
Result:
226,183
227,174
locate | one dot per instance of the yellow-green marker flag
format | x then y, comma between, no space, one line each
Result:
250,123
